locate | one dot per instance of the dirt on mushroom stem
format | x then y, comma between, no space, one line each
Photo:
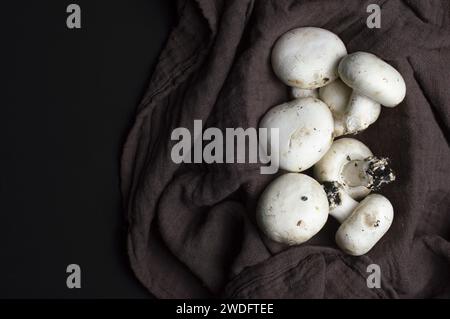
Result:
333,195
372,172
380,172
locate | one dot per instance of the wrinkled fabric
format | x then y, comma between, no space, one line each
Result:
191,227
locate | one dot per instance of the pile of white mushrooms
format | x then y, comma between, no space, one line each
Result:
334,94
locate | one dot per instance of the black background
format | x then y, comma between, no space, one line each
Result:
68,100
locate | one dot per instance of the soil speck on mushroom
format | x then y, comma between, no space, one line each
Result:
332,191
380,171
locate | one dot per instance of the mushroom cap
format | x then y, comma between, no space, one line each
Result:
369,221
305,132
368,75
307,57
292,209
342,151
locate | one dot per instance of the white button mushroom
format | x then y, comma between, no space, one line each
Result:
352,164
362,224
305,132
336,95
307,57
347,118
292,209
298,93
373,82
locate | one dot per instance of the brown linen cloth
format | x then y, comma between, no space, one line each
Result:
192,231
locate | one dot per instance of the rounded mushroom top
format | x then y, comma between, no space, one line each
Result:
366,225
292,209
305,128
368,75
307,57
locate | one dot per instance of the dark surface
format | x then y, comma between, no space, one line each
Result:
68,99
193,230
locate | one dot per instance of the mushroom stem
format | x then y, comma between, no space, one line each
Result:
298,93
341,204
361,112
372,172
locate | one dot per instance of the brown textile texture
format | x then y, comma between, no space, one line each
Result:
191,227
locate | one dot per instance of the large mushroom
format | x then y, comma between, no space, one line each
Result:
363,224
292,209
353,165
307,57
305,132
374,82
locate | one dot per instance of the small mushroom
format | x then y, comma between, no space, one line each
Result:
352,164
362,224
292,209
374,82
305,132
298,93
308,57
348,119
